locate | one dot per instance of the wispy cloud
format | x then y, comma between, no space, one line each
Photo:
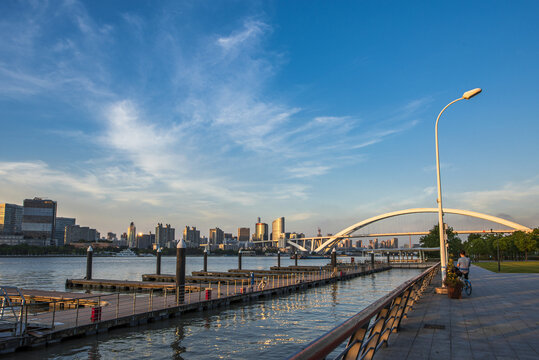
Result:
251,30
178,119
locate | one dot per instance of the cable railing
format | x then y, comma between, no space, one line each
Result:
78,310
370,329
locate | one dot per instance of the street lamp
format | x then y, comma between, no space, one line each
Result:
443,250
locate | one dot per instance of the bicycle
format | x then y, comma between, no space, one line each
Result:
467,285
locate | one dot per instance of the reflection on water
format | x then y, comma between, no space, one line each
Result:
265,329
176,345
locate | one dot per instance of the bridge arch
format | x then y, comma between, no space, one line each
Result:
333,240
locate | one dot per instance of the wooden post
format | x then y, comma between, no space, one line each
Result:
89,255
334,258
180,272
239,260
205,260
296,259
279,258
158,264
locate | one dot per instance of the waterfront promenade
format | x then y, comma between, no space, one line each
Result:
500,320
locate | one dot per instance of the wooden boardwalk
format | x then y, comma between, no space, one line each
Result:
500,320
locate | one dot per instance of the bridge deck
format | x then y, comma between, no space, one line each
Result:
500,320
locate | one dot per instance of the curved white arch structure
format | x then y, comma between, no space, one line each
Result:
333,240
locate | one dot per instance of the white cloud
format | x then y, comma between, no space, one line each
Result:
252,30
307,170
300,216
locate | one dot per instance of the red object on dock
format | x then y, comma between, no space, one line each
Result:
208,294
352,260
96,314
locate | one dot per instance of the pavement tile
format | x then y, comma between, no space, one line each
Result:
499,321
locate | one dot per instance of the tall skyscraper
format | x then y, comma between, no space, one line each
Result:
244,234
39,219
11,219
59,232
163,235
261,231
217,236
131,235
278,232
191,236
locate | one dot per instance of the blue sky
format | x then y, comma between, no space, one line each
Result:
211,113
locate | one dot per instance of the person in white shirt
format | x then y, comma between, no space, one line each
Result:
463,264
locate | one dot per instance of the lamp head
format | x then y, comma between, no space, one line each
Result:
471,93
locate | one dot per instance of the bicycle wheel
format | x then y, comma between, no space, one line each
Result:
468,287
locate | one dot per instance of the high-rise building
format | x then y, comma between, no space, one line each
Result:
111,236
164,234
59,232
217,236
131,235
278,232
77,233
261,231
11,219
244,234
359,244
395,243
144,241
191,236
39,219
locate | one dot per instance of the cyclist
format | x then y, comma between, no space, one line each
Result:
463,265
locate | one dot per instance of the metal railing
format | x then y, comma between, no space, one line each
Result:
11,314
84,309
371,328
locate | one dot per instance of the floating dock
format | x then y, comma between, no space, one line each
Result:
121,309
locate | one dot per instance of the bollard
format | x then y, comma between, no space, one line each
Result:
296,259
205,260
239,260
334,258
89,254
388,260
372,259
180,272
279,258
158,265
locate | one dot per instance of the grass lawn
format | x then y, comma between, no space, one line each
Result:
511,266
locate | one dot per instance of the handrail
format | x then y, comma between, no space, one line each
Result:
358,325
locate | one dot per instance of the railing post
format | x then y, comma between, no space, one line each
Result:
356,339
117,305
53,313
77,315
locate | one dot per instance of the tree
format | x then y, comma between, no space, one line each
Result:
433,240
477,245
525,242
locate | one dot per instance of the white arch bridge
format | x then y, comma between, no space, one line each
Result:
324,244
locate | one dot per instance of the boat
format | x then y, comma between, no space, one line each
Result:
126,253
248,253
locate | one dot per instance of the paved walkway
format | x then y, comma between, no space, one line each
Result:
500,320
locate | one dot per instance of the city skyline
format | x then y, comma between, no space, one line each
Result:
212,114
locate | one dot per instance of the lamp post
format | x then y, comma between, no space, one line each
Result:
443,250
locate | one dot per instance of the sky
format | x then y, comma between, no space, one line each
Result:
213,113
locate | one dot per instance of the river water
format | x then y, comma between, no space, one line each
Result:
266,329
